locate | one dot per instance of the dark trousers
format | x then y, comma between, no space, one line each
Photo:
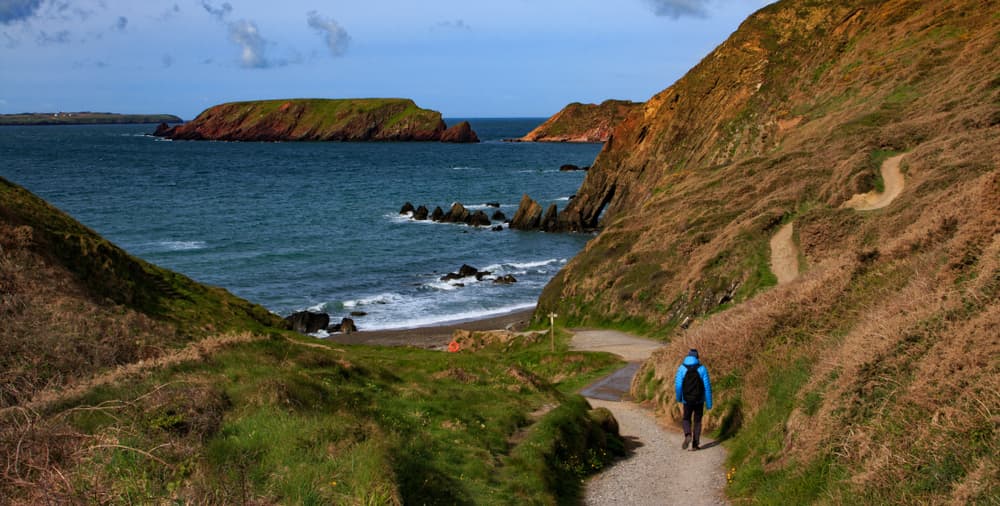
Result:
695,411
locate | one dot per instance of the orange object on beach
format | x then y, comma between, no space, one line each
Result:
454,347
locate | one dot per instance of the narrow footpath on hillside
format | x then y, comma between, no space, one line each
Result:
784,251
892,176
656,471
784,255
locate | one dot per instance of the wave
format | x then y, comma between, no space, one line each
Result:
442,319
524,266
181,245
465,168
380,299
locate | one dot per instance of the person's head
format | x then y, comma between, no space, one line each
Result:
693,353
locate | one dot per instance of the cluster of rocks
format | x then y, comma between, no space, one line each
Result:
309,322
457,214
468,271
529,216
569,167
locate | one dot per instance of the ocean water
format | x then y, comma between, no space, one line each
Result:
295,226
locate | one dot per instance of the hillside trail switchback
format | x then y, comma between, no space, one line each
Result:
893,178
656,471
784,251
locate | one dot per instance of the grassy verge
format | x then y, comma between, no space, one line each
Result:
287,420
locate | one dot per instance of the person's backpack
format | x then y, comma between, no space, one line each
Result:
692,388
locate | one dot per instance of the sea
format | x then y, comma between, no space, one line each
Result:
315,226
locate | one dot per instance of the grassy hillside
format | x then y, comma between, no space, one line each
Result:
872,378
126,383
383,119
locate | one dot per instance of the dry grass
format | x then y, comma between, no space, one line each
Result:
902,350
54,333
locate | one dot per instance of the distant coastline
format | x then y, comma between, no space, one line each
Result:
85,118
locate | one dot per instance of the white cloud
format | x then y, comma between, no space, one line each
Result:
334,35
247,35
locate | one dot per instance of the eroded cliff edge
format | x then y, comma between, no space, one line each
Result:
375,119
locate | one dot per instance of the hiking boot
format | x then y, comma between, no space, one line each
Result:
695,447
687,441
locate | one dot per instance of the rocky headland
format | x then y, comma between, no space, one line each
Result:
583,122
374,119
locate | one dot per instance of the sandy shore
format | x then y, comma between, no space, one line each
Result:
432,337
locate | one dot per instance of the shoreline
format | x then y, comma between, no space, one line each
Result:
434,337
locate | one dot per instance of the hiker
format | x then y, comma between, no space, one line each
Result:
694,390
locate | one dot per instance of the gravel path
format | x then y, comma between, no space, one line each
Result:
656,471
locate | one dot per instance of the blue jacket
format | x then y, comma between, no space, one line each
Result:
679,380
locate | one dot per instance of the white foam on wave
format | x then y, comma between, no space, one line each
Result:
563,199
181,245
524,266
465,168
382,298
442,319
453,284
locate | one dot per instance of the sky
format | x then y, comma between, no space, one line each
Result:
465,58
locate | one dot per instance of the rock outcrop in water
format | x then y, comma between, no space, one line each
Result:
583,122
308,322
389,119
458,213
460,133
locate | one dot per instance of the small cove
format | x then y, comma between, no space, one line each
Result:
295,226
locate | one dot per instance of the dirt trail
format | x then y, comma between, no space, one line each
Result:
894,183
657,471
784,252
784,255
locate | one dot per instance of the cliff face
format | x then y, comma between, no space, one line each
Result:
583,122
313,120
782,124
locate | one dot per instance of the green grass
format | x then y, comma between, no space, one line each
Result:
328,118
761,442
294,424
109,272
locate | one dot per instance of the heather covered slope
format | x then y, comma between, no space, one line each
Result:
839,386
583,122
374,119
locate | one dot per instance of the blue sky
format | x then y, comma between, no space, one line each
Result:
463,58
